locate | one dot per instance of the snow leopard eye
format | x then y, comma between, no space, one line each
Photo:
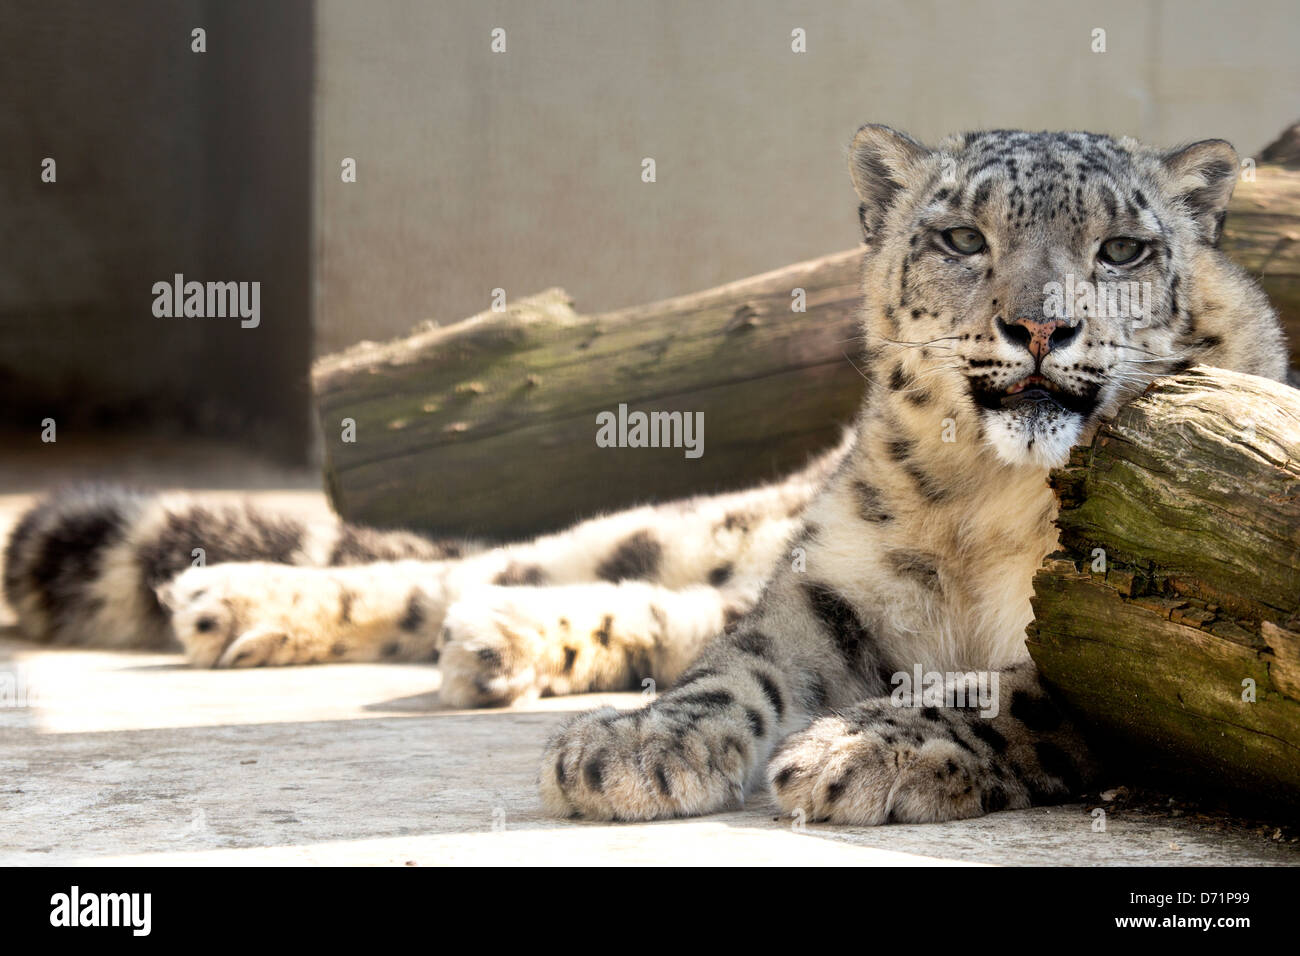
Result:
1122,251
964,240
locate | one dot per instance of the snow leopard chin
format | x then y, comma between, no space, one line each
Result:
1033,436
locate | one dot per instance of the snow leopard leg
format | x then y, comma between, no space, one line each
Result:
251,614
886,761
510,601
527,638
503,643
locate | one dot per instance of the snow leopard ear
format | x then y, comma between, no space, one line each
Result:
882,161
1203,176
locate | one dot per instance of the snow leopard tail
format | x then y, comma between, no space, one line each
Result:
81,566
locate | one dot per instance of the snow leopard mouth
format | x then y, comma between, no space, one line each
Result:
1034,391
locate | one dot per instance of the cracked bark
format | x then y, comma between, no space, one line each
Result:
1176,592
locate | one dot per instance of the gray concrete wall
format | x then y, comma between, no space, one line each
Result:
522,170
167,161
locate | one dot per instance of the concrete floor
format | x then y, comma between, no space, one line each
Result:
135,758
119,757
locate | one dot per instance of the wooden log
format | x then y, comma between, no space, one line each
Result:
1170,619
1262,230
488,427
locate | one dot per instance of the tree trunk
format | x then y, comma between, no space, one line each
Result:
488,427
1170,619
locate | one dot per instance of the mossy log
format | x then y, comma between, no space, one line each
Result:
1170,619
1262,234
488,426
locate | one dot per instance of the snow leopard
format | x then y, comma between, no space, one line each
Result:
782,621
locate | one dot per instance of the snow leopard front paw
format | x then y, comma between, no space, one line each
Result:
878,764
489,655
203,619
241,615
646,764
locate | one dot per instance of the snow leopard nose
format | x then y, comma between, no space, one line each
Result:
1039,336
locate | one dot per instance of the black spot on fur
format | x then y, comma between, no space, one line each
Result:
756,722
838,616
919,397
986,732
962,742
899,449
593,772
414,617
636,558
836,788
771,692
737,520
782,779
871,505
517,574
392,649
720,575
605,631
715,699
570,655
71,551
929,486
816,697
885,674
752,642
695,674
661,780
899,377
346,598
57,550
1038,714
916,566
